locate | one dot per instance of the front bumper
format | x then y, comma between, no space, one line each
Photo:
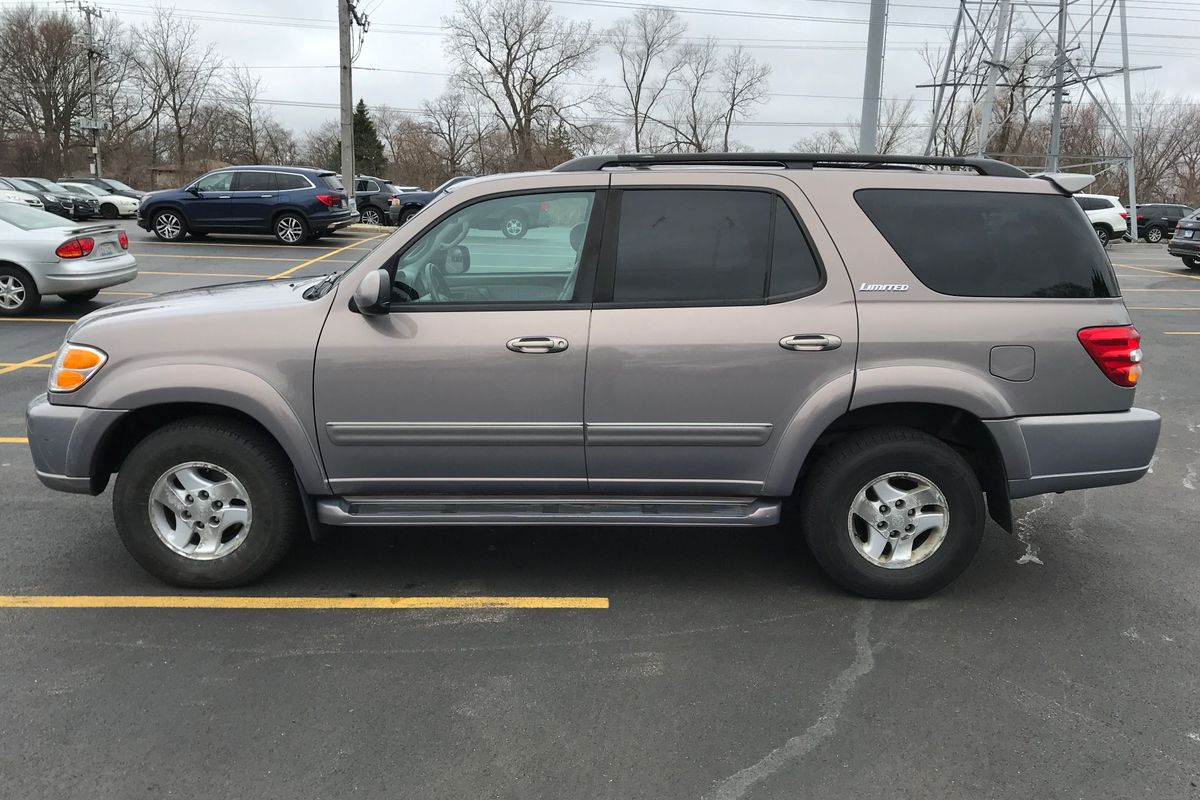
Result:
1183,247
1075,451
65,443
83,275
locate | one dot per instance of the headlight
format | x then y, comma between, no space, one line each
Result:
75,366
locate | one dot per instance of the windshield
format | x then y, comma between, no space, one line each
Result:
24,185
83,188
50,186
29,219
333,181
123,187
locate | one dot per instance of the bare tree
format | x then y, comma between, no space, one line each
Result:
646,45
743,85
241,95
517,56
693,120
182,70
448,120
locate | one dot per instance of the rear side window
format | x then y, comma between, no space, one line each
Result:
992,244
254,182
1093,203
794,268
288,180
333,181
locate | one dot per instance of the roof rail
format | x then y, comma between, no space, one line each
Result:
984,166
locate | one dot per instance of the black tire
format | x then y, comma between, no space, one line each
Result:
514,226
290,228
242,450
18,293
169,225
1154,234
109,211
1191,262
408,214
80,297
1103,234
370,215
858,460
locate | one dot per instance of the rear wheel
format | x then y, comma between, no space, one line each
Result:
18,293
290,228
80,297
109,211
893,513
1191,263
207,503
169,226
1154,234
405,216
371,216
1102,233
514,227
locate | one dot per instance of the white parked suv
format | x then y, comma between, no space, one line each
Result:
1105,213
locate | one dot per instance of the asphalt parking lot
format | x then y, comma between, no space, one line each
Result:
685,663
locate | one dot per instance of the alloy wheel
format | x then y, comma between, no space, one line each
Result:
290,229
369,217
898,520
12,292
514,227
1154,235
200,511
168,226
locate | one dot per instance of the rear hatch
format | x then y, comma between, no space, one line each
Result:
331,191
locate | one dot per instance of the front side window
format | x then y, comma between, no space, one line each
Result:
514,249
1004,244
217,182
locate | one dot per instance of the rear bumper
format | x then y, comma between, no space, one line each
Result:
1075,451
65,442
1183,247
67,277
331,222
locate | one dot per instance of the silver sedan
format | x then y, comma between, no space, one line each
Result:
42,254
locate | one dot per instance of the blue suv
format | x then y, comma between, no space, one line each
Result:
293,203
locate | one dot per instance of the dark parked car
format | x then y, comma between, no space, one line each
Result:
514,220
293,203
86,206
373,196
408,204
110,185
62,204
1157,221
1186,241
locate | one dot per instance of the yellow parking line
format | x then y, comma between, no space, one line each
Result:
310,262
1160,272
132,294
32,362
204,274
19,365
275,246
13,440
228,258
211,601
1181,333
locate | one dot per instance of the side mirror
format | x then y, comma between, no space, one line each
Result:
193,190
374,293
457,260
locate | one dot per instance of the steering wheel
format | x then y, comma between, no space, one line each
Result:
448,235
433,281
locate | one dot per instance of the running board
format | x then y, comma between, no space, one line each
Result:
721,511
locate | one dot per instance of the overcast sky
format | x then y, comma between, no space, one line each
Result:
818,59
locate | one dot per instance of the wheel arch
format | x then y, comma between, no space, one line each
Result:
9,263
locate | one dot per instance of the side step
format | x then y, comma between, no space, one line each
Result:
718,511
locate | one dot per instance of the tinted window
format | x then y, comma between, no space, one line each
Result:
794,268
692,245
288,180
992,244
256,181
333,181
518,249
370,186
217,182
1092,203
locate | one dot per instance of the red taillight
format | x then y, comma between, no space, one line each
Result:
1140,218
1117,351
123,238
544,206
76,248
329,199
1124,215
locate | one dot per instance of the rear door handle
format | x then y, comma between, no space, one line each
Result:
537,344
811,342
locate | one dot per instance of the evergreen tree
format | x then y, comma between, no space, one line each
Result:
368,149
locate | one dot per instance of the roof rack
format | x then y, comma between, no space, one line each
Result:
984,166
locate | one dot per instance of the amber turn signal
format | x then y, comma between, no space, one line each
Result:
75,365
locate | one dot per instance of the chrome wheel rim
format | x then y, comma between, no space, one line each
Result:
370,217
1103,235
898,520
290,230
1154,235
167,226
514,227
200,511
12,292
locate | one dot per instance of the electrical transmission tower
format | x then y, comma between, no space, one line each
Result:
978,61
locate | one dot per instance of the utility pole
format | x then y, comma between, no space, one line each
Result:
348,17
868,142
1060,66
999,39
1129,140
939,91
89,12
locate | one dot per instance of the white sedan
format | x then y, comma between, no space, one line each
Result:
111,205
13,196
41,254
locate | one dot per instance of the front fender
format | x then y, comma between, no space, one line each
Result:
228,387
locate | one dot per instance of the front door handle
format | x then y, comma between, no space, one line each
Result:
537,344
811,342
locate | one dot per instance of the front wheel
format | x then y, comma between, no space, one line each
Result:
893,513
109,211
1103,235
405,216
291,229
1154,234
169,226
1191,262
514,227
207,503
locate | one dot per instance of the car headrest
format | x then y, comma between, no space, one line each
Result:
577,234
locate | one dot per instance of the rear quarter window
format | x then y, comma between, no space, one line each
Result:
333,181
992,244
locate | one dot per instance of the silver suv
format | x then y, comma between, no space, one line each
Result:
688,340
